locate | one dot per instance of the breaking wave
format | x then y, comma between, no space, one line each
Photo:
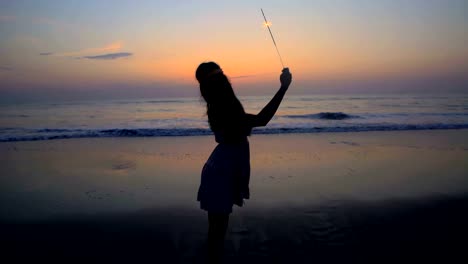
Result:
19,134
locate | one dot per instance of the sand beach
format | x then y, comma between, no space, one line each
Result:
316,198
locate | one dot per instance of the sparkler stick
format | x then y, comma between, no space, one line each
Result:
267,24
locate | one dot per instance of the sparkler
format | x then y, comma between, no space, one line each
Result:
268,24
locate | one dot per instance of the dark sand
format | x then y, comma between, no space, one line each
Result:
391,197
398,231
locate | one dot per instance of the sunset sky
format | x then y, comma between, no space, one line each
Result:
119,49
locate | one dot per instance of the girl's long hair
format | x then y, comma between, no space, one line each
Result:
225,112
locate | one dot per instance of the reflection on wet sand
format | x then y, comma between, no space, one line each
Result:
323,198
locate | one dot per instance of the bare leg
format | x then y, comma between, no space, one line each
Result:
218,223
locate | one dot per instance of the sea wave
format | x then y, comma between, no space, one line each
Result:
341,115
324,115
49,134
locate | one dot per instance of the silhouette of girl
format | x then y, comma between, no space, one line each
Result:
226,173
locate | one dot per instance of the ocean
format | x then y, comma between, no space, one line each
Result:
186,116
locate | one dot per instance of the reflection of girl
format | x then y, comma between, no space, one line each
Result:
225,176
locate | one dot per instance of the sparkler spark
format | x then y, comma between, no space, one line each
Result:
267,24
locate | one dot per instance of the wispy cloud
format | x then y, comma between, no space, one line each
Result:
109,56
113,47
89,52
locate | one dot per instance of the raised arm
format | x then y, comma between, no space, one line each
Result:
267,113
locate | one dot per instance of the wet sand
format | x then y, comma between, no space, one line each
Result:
393,231
316,198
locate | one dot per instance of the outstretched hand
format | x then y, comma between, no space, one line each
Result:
285,78
267,113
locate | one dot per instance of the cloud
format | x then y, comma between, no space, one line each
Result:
108,52
85,53
112,48
109,56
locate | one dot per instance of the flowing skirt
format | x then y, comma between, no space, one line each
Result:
225,178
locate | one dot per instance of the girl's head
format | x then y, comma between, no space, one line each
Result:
205,70
225,112
214,85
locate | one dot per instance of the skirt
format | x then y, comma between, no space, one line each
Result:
225,178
